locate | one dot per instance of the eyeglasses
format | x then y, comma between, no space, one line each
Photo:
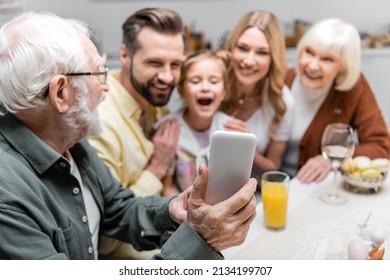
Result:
102,74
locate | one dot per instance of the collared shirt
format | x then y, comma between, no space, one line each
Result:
126,150
123,146
42,208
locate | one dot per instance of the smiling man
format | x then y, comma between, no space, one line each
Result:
151,55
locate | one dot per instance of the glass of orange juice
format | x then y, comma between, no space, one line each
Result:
274,193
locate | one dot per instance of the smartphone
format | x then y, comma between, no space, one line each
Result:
230,164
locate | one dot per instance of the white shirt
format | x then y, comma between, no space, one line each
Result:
91,208
261,119
307,103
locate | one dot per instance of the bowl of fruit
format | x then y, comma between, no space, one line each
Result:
363,175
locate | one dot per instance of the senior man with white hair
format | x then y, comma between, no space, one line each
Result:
56,196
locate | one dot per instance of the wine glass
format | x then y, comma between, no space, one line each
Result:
337,145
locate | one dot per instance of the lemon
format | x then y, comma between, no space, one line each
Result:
355,175
349,166
371,173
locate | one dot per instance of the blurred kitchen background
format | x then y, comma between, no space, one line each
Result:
208,22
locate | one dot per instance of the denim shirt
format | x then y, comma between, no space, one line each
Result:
42,212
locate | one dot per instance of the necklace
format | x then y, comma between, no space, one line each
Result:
248,99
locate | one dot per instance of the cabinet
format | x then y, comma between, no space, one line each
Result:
9,6
9,9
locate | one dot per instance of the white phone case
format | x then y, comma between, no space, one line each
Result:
230,164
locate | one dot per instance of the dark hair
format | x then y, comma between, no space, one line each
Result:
160,19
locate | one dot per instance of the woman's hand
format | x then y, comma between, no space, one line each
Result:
236,125
314,170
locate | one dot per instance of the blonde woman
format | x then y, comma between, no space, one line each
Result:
258,99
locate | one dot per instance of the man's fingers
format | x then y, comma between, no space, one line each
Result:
240,198
237,238
200,183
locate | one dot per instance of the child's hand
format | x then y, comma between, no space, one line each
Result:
169,191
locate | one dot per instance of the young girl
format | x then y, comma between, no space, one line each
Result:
202,86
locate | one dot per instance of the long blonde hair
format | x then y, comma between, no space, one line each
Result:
267,23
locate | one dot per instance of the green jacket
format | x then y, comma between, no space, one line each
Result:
42,213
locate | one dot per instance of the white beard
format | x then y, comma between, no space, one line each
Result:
81,120
95,127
